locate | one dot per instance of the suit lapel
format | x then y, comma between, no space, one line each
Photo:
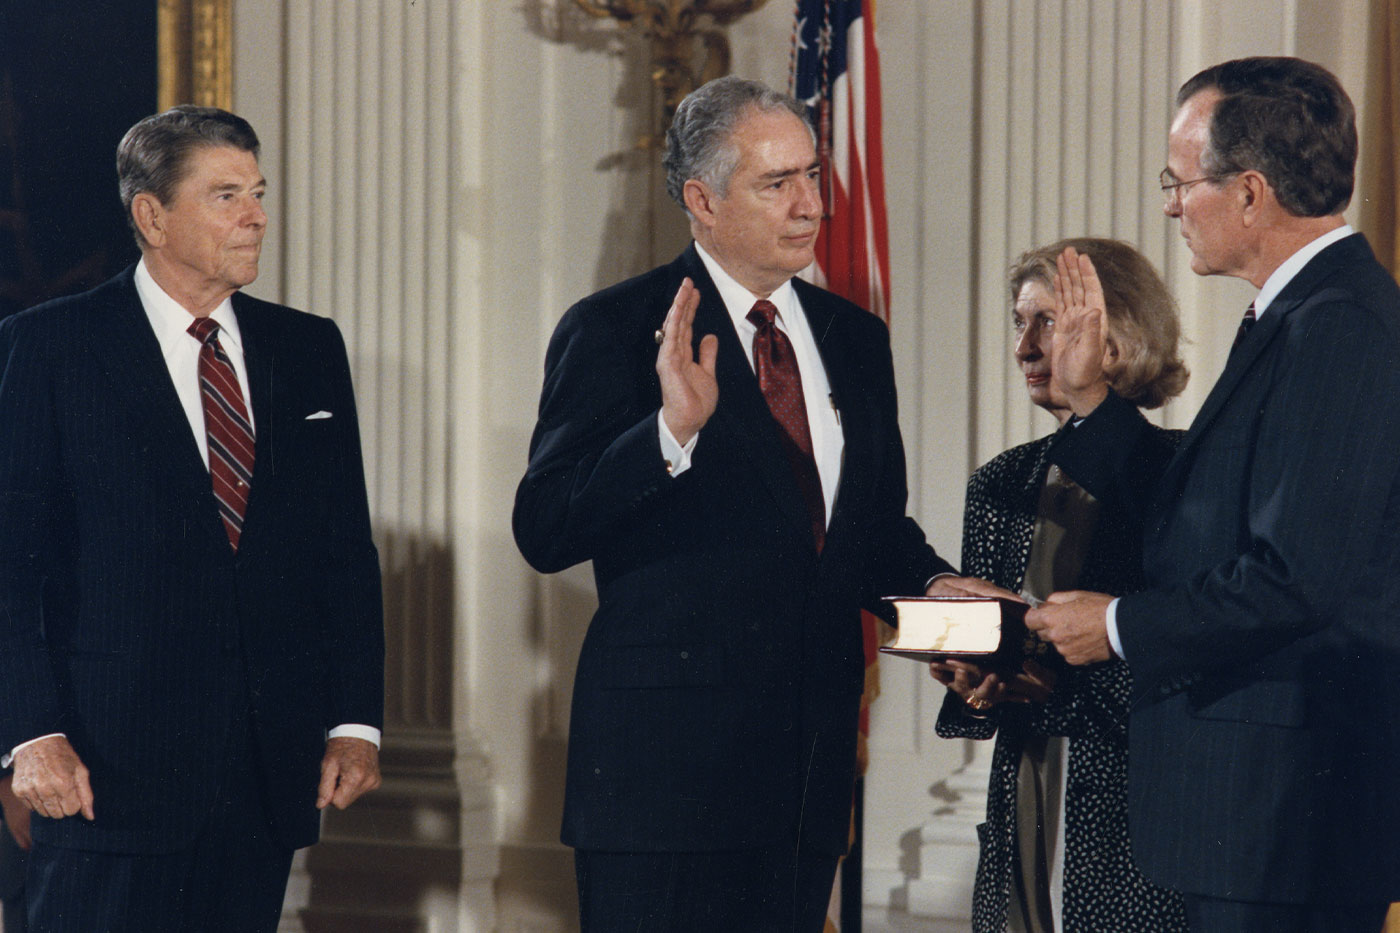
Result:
742,413
259,358
1240,362
848,392
1261,338
129,355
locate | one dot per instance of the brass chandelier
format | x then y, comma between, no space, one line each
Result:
673,26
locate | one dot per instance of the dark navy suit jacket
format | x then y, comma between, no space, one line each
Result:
718,687
1265,746
126,620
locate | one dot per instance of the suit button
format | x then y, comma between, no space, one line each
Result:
685,655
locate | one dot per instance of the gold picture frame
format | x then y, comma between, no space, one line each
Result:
194,45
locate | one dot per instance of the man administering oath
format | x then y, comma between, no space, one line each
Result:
740,489
1265,737
191,636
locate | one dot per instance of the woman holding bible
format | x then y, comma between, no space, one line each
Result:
1054,852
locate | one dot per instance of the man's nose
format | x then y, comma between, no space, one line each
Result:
810,203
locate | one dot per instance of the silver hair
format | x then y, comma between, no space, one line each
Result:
698,143
154,155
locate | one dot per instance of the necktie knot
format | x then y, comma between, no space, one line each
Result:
763,313
204,329
1246,323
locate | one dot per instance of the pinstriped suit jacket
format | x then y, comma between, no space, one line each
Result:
126,621
1266,747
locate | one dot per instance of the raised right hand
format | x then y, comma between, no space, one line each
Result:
1082,350
689,390
51,779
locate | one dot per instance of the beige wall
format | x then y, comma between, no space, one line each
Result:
448,175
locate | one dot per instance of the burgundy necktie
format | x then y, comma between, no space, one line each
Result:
227,428
1246,323
775,364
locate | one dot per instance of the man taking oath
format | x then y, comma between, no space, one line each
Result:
740,490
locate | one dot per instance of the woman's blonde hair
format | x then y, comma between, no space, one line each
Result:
1142,318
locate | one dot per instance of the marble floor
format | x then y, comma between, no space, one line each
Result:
878,920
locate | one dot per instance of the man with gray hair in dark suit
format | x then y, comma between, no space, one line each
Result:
191,636
720,439
1265,738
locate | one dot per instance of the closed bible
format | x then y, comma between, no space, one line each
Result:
985,631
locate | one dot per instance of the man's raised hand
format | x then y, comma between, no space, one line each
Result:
689,391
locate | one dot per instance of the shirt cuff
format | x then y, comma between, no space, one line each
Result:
677,457
354,730
929,582
7,760
1111,623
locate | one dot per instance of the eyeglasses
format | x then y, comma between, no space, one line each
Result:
1171,188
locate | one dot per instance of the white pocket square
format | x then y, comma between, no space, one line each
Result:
318,415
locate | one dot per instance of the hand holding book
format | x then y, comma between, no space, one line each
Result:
988,632
982,689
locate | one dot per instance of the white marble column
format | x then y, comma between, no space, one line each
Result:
357,105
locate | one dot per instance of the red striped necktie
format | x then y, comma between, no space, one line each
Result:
227,427
775,364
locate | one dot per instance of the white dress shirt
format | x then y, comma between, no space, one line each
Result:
171,322
823,418
1275,283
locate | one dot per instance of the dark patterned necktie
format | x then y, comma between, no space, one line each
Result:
1246,323
227,427
779,379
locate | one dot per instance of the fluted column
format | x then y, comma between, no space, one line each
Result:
361,159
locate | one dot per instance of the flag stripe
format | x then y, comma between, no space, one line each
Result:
835,70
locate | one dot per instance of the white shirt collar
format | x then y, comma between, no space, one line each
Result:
738,300
1294,264
171,321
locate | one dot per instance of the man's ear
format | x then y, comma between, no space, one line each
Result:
1255,193
149,216
699,201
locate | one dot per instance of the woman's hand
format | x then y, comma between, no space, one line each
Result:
981,690
1034,684
1082,351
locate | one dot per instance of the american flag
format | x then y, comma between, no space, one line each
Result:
835,71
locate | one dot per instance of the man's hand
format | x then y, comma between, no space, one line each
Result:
949,585
1076,623
689,391
350,768
1082,350
16,814
51,779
